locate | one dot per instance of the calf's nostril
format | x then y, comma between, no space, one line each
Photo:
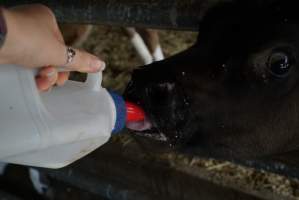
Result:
166,86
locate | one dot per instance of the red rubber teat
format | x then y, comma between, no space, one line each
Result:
134,112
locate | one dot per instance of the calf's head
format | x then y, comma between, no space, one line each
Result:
234,94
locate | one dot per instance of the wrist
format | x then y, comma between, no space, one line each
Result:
3,27
3,31
8,40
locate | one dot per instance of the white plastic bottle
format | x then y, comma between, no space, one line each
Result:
54,129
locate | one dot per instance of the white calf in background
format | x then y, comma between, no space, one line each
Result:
145,41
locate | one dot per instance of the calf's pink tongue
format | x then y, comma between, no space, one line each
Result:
139,125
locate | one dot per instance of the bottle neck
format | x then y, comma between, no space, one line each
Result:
120,108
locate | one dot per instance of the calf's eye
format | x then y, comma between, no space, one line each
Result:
279,63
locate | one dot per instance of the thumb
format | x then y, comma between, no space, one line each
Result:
81,62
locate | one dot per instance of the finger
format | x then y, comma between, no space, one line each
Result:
55,28
62,78
57,33
53,78
82,61
42,83
85,62
46,78
47,71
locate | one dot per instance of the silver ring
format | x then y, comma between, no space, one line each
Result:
70,54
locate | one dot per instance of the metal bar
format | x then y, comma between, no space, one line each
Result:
97,186
114,190
163,14
8,196
119,170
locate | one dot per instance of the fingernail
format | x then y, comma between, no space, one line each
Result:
98,65
51,74
103,66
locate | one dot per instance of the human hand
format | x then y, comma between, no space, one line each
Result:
34,40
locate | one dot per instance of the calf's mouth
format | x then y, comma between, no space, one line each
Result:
162,104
